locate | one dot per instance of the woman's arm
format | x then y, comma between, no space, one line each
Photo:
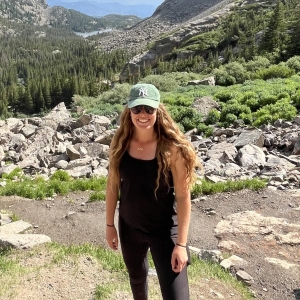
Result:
111,204
182,196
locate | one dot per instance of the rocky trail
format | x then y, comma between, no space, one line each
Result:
258,231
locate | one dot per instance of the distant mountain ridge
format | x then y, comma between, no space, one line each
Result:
38,13
96,9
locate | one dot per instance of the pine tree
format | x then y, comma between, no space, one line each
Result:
28,101
294,45
46,94
3,104
275,36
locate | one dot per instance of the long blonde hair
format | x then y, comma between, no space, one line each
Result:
168,135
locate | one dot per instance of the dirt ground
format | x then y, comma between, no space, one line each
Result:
72,220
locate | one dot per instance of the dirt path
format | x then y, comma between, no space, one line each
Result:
71,220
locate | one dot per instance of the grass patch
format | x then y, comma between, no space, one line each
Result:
207,269
103,291
12,215
114,279
113,262
60,183
207,187
97,196
110,260
7,265
10,271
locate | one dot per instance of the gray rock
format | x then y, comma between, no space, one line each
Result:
23,241
205,104
211,255
233,261
28,130
206,81
250,156
72,152
244,277
5,219
254,137
14,227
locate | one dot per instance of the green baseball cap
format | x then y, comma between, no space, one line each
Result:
144,94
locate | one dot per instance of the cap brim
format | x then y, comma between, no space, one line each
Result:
143,101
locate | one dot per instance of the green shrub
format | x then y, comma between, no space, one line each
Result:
230,118
267,99
106,109
280,110
247,118
258,63
253,104
294,63
275,71
61,176
237,71
296,99
223,78
178,100
283,95
224,95
235,109
230,74
181,78
180,127
247,95
213,117
188,117
206,130
204,41
163,83
188,123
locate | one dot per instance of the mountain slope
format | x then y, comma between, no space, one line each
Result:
170,16
180,11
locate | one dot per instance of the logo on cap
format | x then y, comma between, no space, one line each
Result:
143,92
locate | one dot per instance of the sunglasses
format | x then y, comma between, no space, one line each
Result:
138,109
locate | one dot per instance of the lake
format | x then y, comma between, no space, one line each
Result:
86,34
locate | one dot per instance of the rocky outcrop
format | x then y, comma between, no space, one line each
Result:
39,146
267,152
56,141
15,234
280,234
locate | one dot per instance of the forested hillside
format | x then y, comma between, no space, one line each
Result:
270,29
40,69
44,66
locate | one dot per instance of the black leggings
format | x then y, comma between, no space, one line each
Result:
135,245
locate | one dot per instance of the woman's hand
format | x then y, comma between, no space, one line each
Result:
112,237
179,258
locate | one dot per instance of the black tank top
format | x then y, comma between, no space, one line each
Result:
138,205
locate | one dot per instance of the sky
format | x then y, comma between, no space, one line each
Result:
125,2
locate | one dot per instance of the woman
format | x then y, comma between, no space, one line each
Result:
151,169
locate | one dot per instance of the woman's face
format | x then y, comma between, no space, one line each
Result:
143,120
